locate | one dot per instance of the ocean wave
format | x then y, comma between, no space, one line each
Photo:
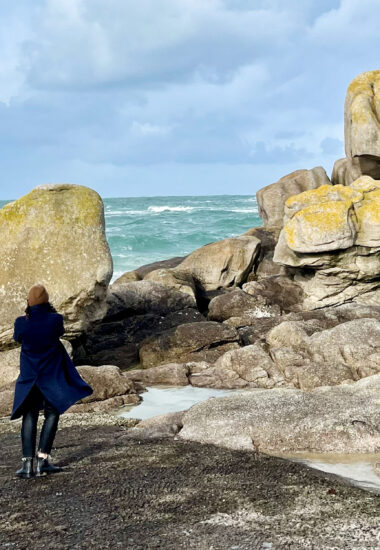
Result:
245,210
124,212
170,208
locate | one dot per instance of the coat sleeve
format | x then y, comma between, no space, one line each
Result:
17,336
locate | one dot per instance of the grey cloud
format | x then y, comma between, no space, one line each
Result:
206,82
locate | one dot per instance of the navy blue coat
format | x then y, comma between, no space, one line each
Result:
45,362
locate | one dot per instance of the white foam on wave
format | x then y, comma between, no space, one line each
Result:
170,208
245,210
124,212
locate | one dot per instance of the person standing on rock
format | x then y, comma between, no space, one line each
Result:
48,380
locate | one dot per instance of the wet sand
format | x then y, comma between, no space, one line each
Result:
121,492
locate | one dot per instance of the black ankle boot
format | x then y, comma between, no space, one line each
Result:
44,467
27,468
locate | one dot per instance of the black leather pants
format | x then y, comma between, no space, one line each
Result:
29,424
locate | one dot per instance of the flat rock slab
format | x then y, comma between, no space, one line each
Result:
339,419
119,492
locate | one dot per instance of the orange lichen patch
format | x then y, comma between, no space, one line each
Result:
320,223
323,194
365,184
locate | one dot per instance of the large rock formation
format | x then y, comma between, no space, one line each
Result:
362,131
55,236
332,235
222,264
271,199
341,419
362,116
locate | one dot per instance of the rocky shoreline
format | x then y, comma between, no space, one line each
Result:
120,491
289,312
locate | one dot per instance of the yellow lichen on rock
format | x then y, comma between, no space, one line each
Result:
323,194
365,184
362,115
368,216
55,235
337,217
325,226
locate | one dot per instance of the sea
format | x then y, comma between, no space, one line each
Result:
141,230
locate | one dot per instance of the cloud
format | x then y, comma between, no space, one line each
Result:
192,82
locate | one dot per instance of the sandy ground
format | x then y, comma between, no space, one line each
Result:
121,492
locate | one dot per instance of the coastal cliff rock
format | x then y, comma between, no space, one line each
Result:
55,236
340,419
271,199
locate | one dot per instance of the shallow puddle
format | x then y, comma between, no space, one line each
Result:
163,400
362,470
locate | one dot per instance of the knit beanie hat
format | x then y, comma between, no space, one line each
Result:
37,295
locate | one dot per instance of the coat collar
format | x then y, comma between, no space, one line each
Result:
40,308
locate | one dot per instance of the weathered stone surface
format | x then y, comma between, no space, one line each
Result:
142,271
134,298
106,381
176,279
164,425
309,357
172,374
237,303
332,235
280,293
271,199
188,342
135,311
106,405
362,116
340,419
221,264
264,266
6,399
300,350
55,236
9,366
347,170
322,219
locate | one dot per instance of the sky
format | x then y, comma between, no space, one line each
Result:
176,97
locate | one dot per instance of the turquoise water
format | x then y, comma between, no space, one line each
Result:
141,230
